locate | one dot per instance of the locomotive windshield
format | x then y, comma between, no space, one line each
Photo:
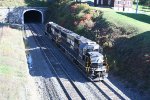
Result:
96,65
89,50
96,50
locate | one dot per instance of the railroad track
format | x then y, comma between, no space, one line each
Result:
110,94
70,89
106,87
45,95
87,85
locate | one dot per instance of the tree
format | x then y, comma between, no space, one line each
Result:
144,2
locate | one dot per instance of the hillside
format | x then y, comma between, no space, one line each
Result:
16,82
125,38
18,3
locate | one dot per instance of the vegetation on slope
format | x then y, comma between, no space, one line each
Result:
13,67
18,3
144,2
141,8
125,37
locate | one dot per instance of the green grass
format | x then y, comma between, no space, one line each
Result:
123,20
18,3
141,22
5,70
13,65
142,8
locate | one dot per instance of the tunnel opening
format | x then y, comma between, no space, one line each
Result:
32,16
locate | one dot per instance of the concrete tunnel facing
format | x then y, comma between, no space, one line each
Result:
32,16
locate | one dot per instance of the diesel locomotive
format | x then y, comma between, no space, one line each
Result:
84,52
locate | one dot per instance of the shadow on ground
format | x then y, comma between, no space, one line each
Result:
132,61
140,17
145,9
1,31
41,67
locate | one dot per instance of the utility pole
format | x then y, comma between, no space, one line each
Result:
137,6
8,15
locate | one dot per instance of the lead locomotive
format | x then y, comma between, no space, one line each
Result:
86,53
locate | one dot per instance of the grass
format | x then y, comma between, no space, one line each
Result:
18,3
140,17
13,3
13,67
6,70
127,20
142,8
121,20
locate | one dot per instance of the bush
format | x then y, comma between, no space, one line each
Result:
87,11
80,28
125,55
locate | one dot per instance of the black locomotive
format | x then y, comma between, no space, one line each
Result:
86,53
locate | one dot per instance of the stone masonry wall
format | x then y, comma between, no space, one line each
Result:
15,14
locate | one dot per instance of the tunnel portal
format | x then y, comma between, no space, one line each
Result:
33,16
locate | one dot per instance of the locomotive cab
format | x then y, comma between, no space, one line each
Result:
97,68
88,47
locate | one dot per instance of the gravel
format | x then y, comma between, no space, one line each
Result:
46,83
129,92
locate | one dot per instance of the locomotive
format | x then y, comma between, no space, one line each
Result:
86,53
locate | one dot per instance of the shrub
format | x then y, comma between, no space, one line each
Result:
87,11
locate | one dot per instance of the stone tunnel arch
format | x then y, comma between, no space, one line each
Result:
32,16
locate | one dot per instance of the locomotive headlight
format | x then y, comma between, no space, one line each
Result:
94,65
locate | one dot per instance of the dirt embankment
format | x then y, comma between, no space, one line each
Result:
16,83
126,46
